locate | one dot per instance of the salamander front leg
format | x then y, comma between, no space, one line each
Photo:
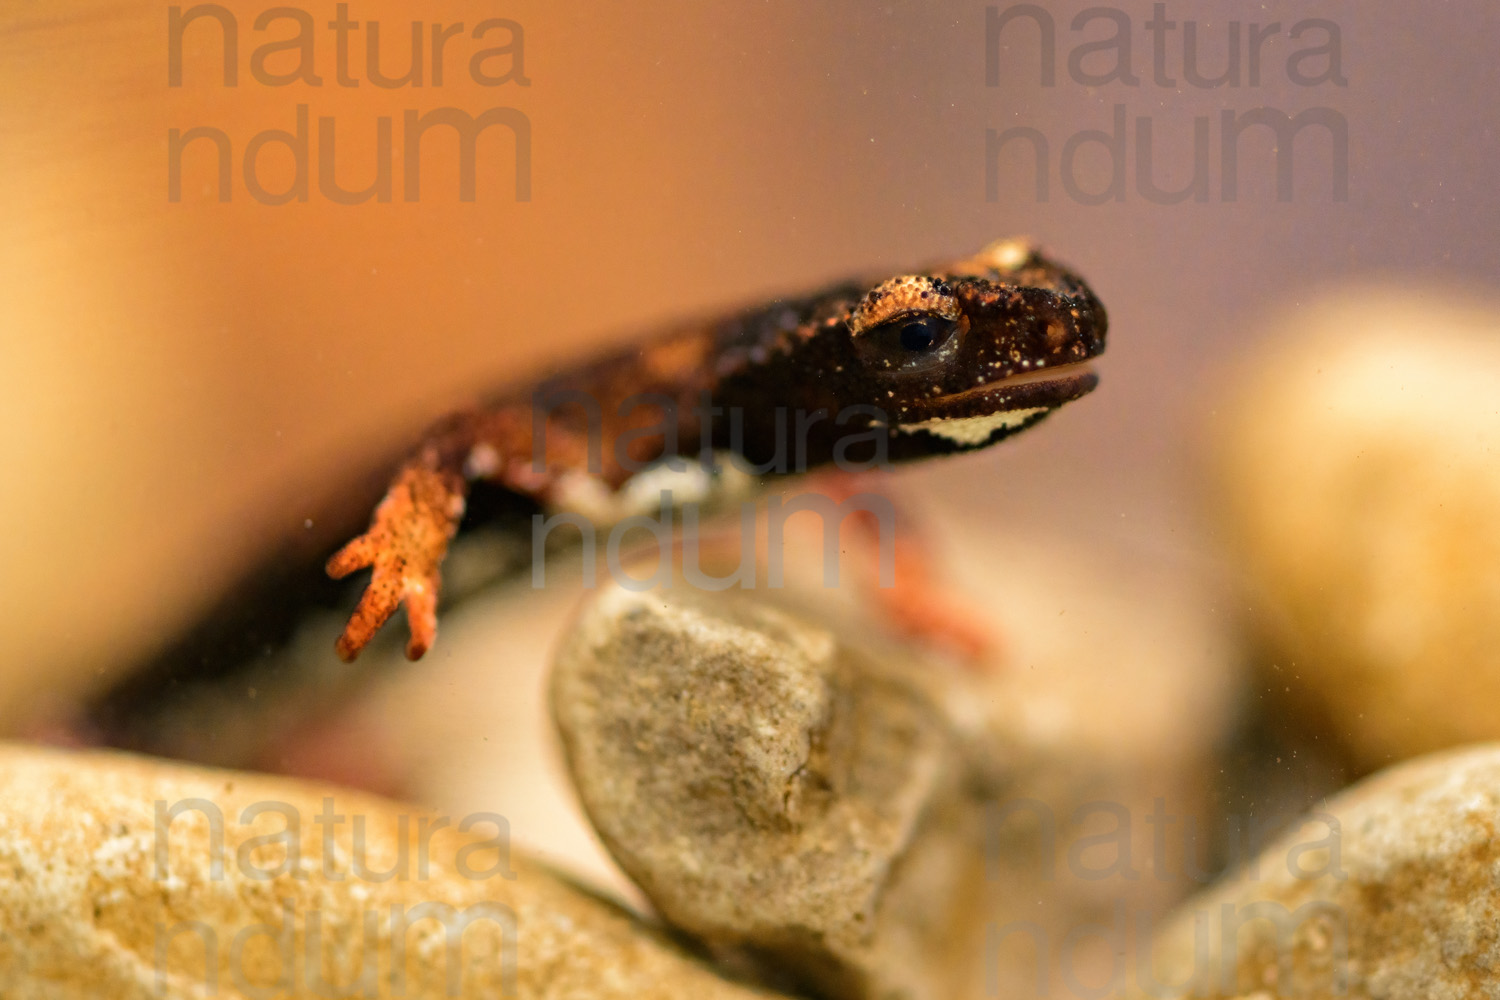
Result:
405,546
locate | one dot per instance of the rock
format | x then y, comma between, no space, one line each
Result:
771,791
1359,483
123,878
1388,892
804,801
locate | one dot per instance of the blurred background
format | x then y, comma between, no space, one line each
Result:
173,371
178,379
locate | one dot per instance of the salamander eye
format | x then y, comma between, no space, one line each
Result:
906,323
907,343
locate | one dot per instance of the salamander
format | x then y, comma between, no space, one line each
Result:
944,359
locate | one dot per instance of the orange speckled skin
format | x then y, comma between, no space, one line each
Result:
952,345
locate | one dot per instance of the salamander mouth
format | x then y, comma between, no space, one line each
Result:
1045,387
983,413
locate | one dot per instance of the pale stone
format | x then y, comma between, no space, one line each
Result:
771,791
1392,891
1360,487
110,891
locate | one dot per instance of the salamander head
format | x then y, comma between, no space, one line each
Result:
973,351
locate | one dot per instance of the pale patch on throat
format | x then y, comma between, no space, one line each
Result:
974,430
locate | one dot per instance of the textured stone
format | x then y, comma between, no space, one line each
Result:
1390,892
100,902
773,792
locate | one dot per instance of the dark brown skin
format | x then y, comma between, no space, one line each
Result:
949,359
